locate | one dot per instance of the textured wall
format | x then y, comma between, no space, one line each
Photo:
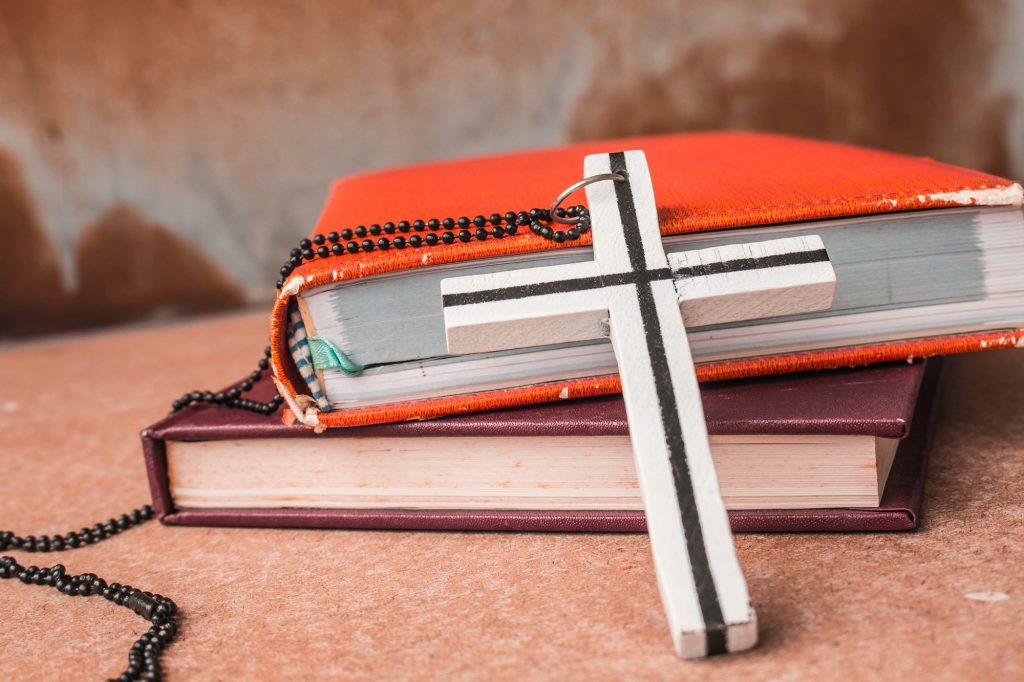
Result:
161,157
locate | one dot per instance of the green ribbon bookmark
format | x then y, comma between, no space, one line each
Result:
328,356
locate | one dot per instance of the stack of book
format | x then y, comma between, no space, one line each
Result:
926,262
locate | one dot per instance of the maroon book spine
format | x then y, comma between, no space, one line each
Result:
892,401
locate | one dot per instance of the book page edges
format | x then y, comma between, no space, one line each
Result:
713,371
489,472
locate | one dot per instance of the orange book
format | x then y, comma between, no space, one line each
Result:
924,254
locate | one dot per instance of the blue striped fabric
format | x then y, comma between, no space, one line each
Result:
298,345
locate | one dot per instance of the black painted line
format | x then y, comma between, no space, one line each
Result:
627,213
555,287
707,594
763,262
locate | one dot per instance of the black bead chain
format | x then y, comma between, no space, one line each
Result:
232,397
144,656
437,233
75,539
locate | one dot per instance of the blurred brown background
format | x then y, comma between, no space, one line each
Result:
160,158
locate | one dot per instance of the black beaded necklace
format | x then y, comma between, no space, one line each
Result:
144,656
539,220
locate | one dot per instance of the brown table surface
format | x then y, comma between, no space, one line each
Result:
273,604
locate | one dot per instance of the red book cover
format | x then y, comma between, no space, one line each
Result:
702,181
890,401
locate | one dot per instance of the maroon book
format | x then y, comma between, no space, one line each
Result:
887,401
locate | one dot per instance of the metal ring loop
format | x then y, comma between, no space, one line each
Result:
617,177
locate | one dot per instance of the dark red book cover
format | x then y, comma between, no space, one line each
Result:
889,401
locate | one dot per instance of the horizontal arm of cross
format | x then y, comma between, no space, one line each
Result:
558,304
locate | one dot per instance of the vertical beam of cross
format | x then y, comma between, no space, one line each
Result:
629,292
699,576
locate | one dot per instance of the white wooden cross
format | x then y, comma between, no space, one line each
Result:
633,294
